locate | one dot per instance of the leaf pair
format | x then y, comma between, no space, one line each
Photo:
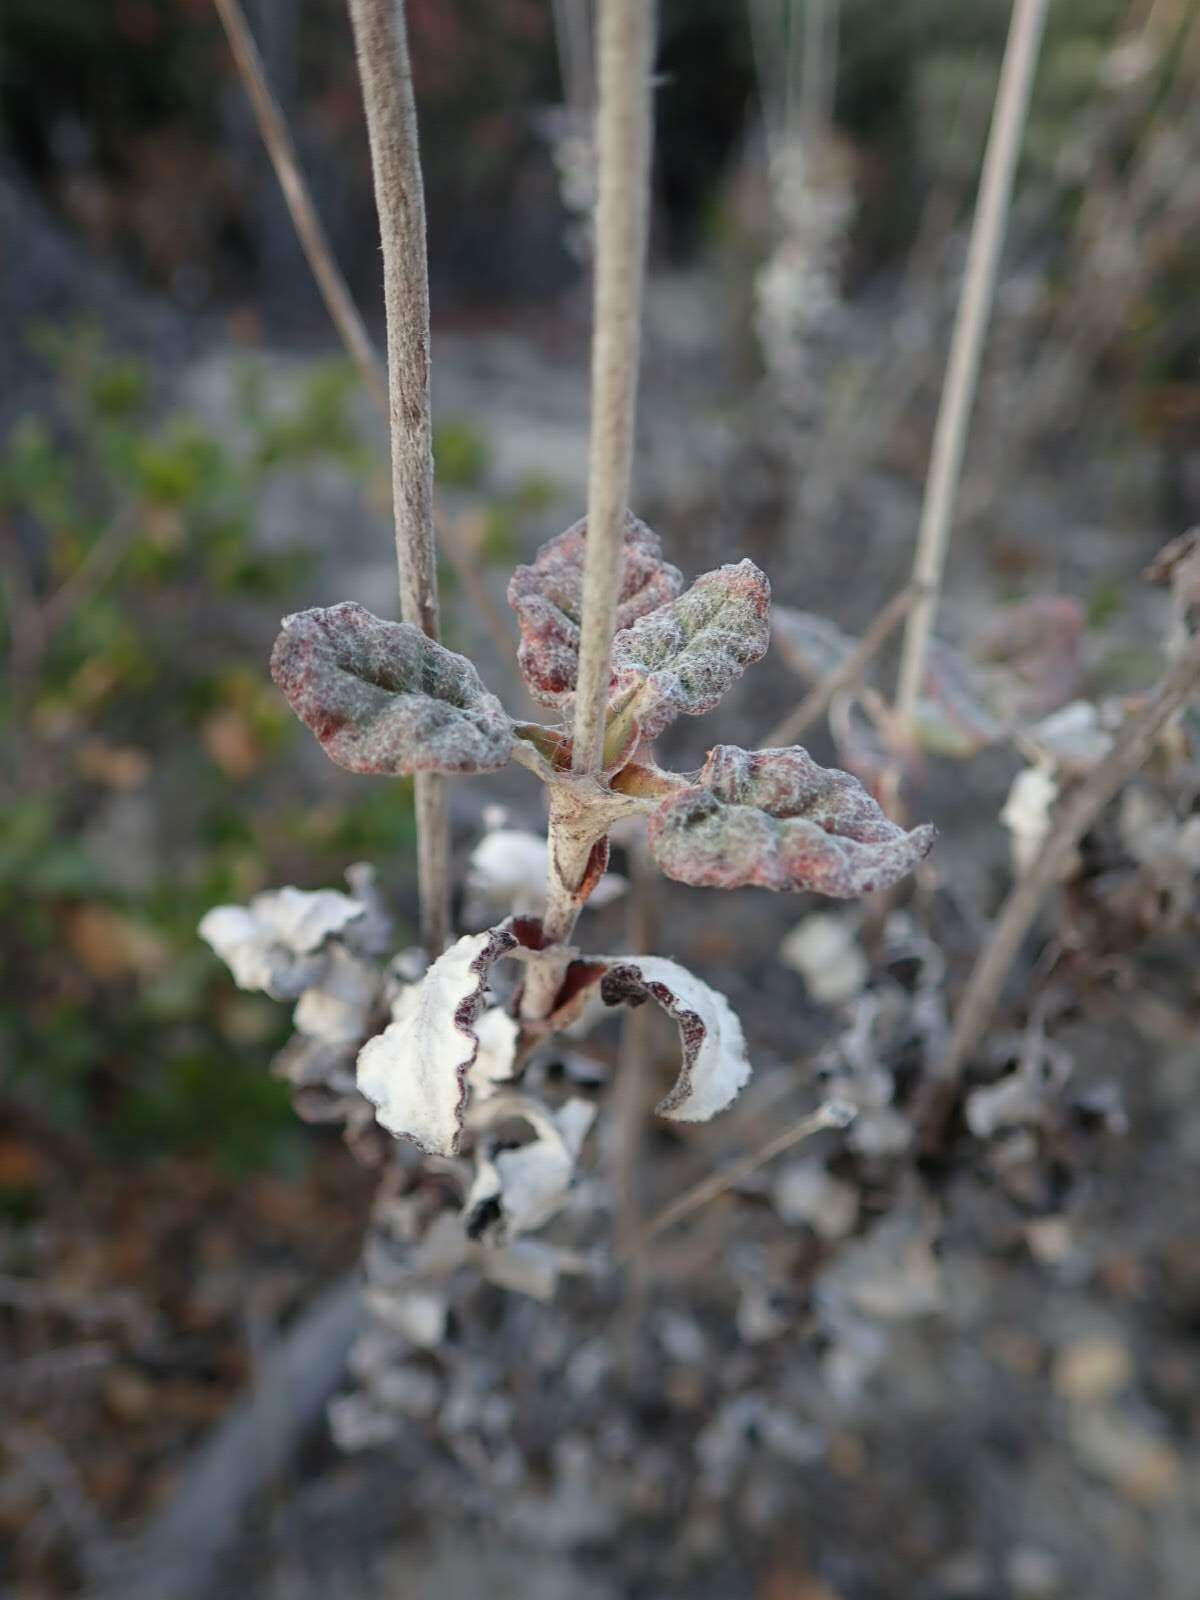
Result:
419,1071
672,653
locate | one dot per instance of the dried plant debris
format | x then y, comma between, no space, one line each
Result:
548,599
1023,664
518,1189
506,876
279,942
415,1072
383,698
778,820
714,1064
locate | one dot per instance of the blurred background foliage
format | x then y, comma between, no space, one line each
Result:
141,726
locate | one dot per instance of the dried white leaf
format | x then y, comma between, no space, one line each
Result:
1027,814
806,1192
825,951
415,1072
496,1060
1073,737
357,1422
715,1066
337,1009
417,1311
525,1267
1021,1098
274,944
517,1191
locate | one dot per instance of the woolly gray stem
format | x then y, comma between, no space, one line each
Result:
970,329
381,43
623,129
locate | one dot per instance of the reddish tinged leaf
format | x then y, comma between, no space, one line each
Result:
382,698
777,820
714,1066
548,599
684,656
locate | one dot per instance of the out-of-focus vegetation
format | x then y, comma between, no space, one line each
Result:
140,730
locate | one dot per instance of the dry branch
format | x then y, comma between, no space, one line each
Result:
1133,745
966,346
846,676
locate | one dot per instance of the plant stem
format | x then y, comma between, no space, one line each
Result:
272,124
629,1107
719,1183
382,47
848,674
970,328
1133,745
623,131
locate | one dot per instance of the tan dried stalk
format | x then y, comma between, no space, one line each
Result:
966,347
381,43
847,676
334,290
623,132
719,1183
272,125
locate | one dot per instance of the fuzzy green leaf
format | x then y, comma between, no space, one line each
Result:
683,657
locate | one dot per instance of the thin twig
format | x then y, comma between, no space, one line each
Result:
313,241
831,1115
1133,745
381,42
623,131
970,328
844,677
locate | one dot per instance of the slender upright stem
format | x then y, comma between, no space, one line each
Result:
1133,746
273,127
623,126
381,42
630,1107
625,46
970,328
